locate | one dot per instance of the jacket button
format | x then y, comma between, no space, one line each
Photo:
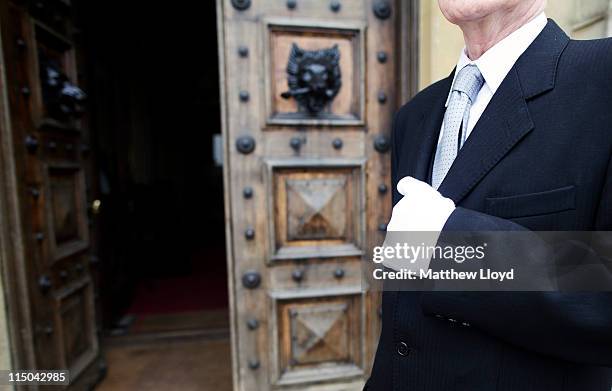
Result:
402,349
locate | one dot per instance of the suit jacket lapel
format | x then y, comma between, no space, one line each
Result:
506,120
503,124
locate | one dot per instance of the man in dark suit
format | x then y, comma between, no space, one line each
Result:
518,137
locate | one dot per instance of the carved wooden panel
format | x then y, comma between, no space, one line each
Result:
66,210
319,334
346,97
318,338
315,209
76,325
58,101
46,342
73,319
65,222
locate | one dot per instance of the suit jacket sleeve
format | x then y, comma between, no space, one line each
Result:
571,326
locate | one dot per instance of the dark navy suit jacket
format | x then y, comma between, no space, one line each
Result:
539,158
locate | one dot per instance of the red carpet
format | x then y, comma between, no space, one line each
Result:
180,294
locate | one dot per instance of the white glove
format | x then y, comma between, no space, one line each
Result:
422,208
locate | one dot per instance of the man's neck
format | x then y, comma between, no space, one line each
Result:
482,34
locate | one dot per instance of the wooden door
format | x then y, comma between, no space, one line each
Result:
48,126
309,89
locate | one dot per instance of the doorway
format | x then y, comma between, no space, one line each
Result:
154,99
305,191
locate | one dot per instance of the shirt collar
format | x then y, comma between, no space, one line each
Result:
496,62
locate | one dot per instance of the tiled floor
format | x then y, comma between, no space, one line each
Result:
181,365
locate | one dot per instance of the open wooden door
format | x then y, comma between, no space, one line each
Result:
54,324
309,89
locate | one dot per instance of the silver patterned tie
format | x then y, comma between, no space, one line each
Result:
467,84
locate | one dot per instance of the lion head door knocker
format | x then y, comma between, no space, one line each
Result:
313,77
63,99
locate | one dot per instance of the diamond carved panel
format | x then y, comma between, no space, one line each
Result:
319,334
319,337
315,208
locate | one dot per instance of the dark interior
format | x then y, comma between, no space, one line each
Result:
153,84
